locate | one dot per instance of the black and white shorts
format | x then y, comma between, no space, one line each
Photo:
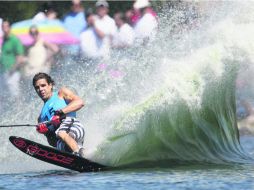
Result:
75,129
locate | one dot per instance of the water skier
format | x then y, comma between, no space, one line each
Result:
63,130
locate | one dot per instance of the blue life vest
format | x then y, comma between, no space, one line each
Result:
51,105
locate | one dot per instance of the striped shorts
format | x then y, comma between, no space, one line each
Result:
75,129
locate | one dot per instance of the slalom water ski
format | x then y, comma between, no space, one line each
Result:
54,156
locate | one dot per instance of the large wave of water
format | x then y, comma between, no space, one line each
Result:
173,99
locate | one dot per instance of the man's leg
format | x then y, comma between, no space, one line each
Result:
72,133
69,141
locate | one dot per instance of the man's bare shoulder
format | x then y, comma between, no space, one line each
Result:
66,93
63,89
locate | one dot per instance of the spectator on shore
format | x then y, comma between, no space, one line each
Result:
12,58
124,37
146,27
104,27
51,14
75,23
88,39
40,54
47,12
132,16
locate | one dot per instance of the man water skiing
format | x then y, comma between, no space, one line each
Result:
57,120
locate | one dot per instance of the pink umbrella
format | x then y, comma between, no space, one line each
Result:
50,30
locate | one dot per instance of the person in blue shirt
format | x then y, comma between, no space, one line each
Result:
57,120
75,22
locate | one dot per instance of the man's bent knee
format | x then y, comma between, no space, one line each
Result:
62,135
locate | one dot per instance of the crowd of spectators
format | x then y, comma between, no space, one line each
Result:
97,33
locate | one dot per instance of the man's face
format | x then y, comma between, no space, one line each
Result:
90,20
76,6
102,11
118,20
6,28
43,89
33,33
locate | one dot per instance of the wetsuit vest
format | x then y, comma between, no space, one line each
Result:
51,105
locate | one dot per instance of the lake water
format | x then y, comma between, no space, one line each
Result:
183,176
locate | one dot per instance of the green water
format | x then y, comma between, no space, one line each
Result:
182,176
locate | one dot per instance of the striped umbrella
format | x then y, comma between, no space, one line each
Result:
50,30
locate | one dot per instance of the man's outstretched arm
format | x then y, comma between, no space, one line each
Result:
75,102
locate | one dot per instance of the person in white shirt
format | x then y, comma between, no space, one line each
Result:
146,28
124,37
88,39
47,12
105,28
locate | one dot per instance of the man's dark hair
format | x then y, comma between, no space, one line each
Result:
89,12
5,20
121,16
45,76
